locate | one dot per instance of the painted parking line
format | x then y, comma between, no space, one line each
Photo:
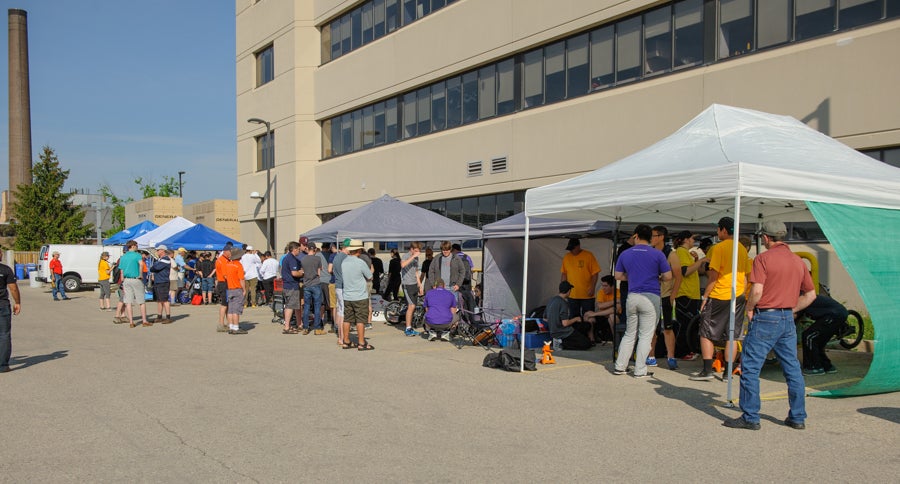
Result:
560,367
781,395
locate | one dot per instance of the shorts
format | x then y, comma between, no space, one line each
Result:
410,291
292,298
161,292
339,301
173,284
666,321
207,284
368,287
326,299
235,301
356,312
133,291
222,292
104,289
332,295
715,315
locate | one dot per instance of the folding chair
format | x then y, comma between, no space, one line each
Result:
477,329
278,302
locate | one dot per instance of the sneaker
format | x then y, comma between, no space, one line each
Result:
619,372
831,370
701,376
794,425
221,328
673,363
432,336
813,371
411,332
651,361
690,357
305,331
740,423
237,331
645,375
319,332
368,325
445,336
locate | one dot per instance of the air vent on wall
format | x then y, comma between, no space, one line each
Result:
498,165
474,168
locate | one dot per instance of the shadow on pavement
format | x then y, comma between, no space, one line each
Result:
700,400
26,361
891,414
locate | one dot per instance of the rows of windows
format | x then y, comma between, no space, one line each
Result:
674,36
891,155
265,151
371,21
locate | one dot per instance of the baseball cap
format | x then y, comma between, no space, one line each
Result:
775,228
303,240
104,253
565,286
250,247
573,242
161,247
182,249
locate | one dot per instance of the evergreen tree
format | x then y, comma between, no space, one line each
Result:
42,213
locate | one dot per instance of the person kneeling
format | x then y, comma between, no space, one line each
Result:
571,330
440,311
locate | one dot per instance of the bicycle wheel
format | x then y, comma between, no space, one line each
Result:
418,317
851,332
392,312
692,334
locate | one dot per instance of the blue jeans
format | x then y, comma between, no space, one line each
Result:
772,330
312,299
5,334
58,287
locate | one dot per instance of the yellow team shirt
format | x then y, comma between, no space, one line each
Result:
690,285
103,270
720,261
604,297
578,270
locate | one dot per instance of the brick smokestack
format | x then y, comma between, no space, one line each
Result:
19,103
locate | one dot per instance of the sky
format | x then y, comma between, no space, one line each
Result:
122,89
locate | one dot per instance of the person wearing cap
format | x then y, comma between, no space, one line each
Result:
180,265
644,267
355,274
236,291
335,268
160,273
222,287
781,286
104,271
251,263
565,326
133,284
8,287
325,256
686,290
56,271
580,268
715,305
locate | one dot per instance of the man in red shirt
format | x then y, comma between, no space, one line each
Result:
222,286
236,291
781,287
56,272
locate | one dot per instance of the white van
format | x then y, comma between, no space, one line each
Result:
79,263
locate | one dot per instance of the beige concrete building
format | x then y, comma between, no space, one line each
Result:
158,210
219,215
462,105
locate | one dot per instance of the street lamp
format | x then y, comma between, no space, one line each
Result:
268,195
180,184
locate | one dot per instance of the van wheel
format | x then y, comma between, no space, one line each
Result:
72,283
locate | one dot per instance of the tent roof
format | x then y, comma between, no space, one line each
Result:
198,237
774,163
388,219
514,227
131,233
172,227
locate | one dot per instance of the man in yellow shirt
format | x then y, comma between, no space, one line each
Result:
715,305
580,268
604,306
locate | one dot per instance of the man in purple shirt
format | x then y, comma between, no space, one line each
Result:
440,311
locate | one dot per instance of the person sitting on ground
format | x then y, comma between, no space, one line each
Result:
571,330
604,305
440,311
828,315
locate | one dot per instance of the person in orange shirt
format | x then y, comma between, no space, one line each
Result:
222,287
604,305
580,268
236,290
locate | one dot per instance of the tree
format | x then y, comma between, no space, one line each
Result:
42,213
168,187
118,209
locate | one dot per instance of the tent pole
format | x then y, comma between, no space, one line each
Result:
524,297
731,313
612,271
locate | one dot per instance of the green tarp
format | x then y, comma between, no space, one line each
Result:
865,240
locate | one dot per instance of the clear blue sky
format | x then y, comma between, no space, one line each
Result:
122,89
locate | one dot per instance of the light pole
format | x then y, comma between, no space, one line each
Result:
270,152
180,185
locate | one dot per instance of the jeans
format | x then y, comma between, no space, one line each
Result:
58,287
5,334
771,330
643,316
312,299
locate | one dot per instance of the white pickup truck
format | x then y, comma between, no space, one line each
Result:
79,263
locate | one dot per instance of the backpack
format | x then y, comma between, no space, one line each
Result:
116,273
509,360
467,279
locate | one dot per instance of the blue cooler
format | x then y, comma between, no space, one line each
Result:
20,272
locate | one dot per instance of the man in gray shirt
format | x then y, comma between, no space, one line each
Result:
312,291
412,284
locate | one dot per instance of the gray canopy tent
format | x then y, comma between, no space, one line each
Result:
390,220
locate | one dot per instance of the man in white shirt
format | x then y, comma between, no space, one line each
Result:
268,271
251,262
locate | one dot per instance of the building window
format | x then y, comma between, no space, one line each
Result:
658,40
438,107
735,27
470,97
265,151
815,18
774,22
265,65
533,79
628,49
578,75
454,102
688,33
409,115
891,155
487,92
506,87
603,57
854,13
555,72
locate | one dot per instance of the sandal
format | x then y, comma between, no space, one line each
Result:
365,347
288,331
348,346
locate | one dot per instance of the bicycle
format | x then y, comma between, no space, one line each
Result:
395,312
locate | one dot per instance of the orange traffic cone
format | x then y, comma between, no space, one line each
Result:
547,358
718,362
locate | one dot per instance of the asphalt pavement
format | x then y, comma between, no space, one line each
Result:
93,401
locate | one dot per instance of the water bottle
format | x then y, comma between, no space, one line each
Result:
557,344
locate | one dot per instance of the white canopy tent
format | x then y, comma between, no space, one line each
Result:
164,231
725,162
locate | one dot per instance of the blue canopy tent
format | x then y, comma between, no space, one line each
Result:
130,233
198,237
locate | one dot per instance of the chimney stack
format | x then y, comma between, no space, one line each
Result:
19,104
